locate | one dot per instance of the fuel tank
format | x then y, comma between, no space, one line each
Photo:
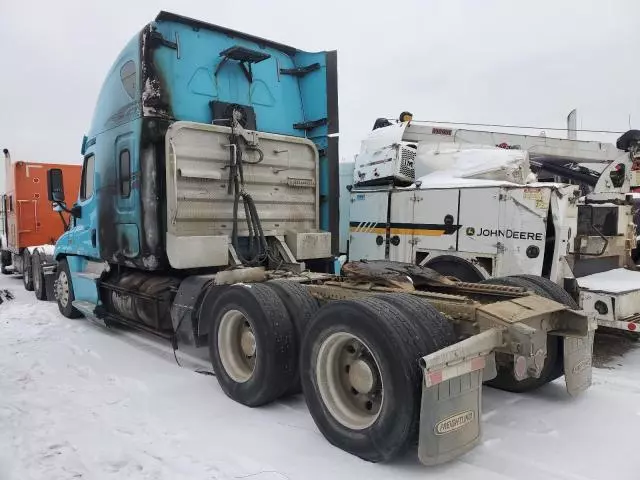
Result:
141,297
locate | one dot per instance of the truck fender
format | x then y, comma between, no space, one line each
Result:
186,307
45,253
457,266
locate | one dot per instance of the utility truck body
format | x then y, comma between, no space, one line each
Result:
475,210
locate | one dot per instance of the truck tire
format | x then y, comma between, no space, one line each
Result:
27,278
551,289
361,379
64,291
553,364
302,307
5,261
39,287
434,328
452,266
252,344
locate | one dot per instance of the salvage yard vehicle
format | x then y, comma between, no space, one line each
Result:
467,204
208,216
29,226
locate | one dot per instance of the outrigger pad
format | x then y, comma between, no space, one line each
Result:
406,276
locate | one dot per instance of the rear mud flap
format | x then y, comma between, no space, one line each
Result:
50,287
450,418
578,354
451,403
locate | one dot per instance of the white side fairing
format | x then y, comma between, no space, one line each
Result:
422,219
522,230
346,180
479,217
564,214
368,221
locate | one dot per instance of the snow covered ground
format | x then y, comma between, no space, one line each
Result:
78,401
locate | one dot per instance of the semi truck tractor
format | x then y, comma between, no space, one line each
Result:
208,215
467,204
29,226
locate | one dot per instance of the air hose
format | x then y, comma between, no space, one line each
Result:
258,249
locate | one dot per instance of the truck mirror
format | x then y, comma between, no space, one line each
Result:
83,148
55,188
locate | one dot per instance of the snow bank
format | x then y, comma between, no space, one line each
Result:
619,280
447,179
474,163
79,401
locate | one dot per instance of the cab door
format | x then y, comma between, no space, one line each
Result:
126,197
83,240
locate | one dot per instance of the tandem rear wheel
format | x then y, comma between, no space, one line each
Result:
39,286
252,344
27,278
360,373
357,360
5,261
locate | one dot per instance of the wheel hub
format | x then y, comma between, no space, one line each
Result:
62,289
361,376
248,342
237,346
349,380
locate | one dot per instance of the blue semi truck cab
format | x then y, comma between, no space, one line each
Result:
173,184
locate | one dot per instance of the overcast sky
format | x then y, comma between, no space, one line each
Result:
508,62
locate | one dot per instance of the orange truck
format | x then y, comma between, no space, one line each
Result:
29,225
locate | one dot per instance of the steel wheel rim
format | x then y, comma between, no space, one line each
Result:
63,289
237,346
349,381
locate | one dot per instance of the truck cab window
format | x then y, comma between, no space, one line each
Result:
125,173
86,188
128,78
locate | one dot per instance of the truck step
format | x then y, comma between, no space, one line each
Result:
86,308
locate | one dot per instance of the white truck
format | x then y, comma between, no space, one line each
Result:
467,204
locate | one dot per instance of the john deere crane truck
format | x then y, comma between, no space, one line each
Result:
466,204
208,215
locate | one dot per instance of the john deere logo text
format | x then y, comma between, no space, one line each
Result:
454,422
508,233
